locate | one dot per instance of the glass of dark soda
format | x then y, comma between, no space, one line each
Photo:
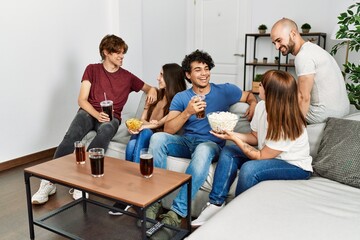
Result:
79,152
107,107
146,162
96,156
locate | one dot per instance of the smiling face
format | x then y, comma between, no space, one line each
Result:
199,75
286,37
161,80
282,38
114,59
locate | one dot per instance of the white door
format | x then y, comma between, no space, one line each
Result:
220,27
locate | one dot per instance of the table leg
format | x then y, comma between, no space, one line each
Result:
29,205
189,205
143,223
84,201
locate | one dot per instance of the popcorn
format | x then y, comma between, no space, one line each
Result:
220,121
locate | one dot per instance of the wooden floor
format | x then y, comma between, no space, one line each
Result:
14,218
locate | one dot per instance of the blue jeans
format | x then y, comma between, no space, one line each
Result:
80,126
136,143
201,152
251,173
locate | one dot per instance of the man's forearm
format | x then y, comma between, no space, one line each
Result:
250,99
173,125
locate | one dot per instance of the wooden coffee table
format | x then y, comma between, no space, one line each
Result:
121,182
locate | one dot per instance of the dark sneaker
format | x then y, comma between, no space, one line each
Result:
152,212
120,206
169,218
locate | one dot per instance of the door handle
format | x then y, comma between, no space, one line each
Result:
239,55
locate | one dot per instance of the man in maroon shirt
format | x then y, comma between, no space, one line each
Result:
99,80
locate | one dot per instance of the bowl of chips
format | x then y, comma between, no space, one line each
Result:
133,124
220,121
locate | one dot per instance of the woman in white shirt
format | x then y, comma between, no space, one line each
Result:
278,129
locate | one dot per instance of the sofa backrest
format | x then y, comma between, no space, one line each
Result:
141,106
243,125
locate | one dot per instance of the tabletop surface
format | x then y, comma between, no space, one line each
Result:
122,179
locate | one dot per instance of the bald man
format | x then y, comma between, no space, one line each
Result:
321,86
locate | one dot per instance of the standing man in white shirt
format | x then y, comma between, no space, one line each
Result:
321,86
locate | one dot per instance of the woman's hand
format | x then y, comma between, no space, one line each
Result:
135,132
227,135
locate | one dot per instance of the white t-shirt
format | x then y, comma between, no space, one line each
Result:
296,152
328,95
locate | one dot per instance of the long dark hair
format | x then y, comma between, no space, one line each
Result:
175,82
285,119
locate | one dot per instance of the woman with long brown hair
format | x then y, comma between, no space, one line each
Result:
278,129
171,81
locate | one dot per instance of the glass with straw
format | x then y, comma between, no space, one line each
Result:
107,107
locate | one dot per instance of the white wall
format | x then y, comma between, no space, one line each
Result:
45,46
164,24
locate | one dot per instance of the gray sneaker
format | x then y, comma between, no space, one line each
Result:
152,212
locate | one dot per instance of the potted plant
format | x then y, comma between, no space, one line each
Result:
256,83
265,60
305,28
262,28
346,22
255,60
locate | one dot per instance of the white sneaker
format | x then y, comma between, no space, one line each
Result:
209,211
45,190
76,194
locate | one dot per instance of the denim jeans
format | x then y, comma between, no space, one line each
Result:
202,154
136,143
80,126
251,172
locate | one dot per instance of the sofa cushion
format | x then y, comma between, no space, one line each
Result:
338,157
317,208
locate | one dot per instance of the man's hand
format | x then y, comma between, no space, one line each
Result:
250,99
103,117
195,105
250,111
151,95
